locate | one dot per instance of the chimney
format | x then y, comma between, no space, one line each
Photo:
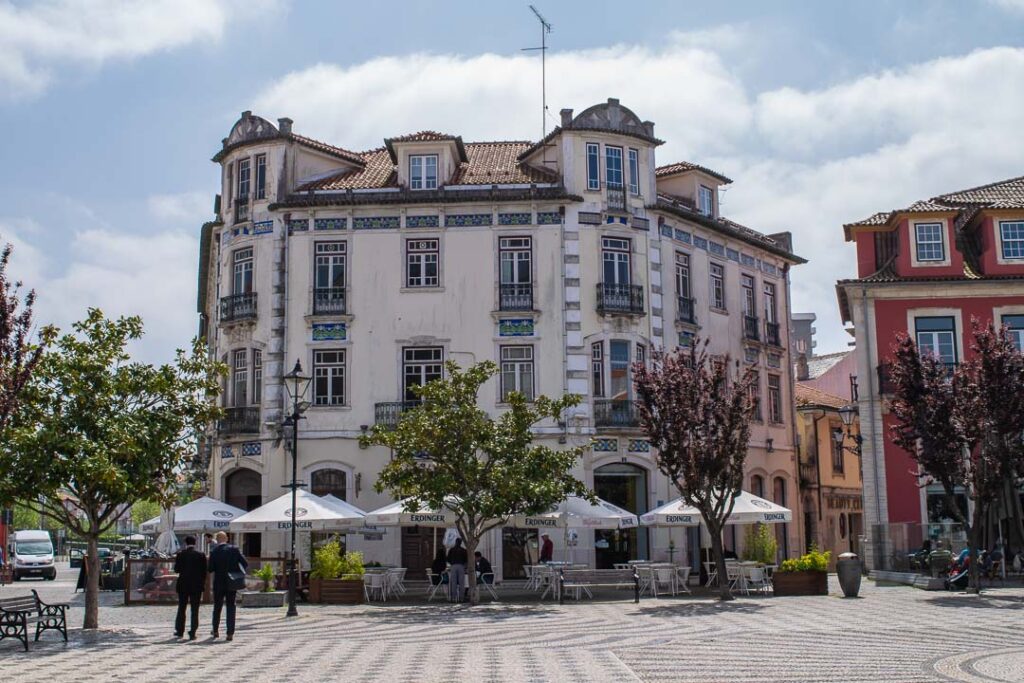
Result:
803,373
566,118
246,114
285,126
649,128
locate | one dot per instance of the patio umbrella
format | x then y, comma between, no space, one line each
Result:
312,513
747,509
201,515
166,542
397,514
576,512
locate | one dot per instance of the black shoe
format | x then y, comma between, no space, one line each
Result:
179,635
230,637
215,635
191,636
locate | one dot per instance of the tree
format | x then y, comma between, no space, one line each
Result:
143,511
450,453
962,426
98,432
696,412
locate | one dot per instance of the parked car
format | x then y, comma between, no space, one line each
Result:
33,555
77,554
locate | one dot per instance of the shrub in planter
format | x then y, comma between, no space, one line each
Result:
804,575
266,575
336,578
759,544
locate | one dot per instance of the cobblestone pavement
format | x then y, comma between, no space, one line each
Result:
890,634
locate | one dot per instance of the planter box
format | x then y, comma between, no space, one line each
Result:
261,599
800,583
336,591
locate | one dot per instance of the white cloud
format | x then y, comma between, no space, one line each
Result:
1010,5
38,38
804,161
191,208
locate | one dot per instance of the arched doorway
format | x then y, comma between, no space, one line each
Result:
624,485
329,481
781,530
243,488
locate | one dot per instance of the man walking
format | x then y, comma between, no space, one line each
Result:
190,566
225,559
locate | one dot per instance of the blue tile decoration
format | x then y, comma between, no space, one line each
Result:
683,236
769,268
238,232
252,448
666,231
298,225
375,222
467,220
686,339
640,223
606,445
549,218
639,446
519,218
716,248
774,360
590,218
700,243
227,452
263,228
330,331
515,327
732,255
421,221
746,260
751,354
617,220
330,223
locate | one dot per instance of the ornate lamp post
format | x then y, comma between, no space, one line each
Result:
846,414
297,384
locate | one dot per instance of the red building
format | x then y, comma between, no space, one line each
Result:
927,270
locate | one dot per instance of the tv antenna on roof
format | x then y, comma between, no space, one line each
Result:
545,29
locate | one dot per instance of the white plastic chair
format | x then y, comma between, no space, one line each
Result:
734,573
663,576
757,579
532,583
433,588
375,583
682,579
395,581
489,587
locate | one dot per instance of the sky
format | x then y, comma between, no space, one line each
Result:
821,112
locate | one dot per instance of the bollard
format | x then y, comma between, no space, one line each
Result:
848,568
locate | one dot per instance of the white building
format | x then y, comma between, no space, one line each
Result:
562,260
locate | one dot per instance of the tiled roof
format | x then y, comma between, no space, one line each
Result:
819,365
1005,193
926,206
377,172
880,218
354,157
809,396
683,166
423,136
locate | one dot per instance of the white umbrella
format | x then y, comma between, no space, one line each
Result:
747,509
397,514
312,513
576,512
202,514
166,542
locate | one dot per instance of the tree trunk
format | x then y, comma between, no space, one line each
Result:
92,583
474,592
974,536
724,592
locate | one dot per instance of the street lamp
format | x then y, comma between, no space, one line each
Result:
846,414
296,383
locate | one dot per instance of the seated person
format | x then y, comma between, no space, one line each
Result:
438,568
484,571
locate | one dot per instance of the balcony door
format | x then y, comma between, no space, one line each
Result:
621,382
242,273
329,284
936,336
420,365
515,257
615,259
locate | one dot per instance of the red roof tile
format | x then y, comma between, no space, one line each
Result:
684,166
354,157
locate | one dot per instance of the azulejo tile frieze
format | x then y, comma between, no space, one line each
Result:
606,445
467,220
330,332
375,222
252,448
639,446
549,218
519,218
421,221
298,225
330,224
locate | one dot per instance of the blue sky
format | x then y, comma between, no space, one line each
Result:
822,112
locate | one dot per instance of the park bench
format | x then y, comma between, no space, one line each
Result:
585,579
17,613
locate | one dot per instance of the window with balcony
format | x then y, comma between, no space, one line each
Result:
717,274
240,378
593,166
257,377
749,299
1015,328
755,396
641,354
423,172
420,366
261,176
771,321
517,371
1011,237
329,377
615,293
421,266
684,309
613,166
617,408
329,278
634,172
936,336
929,242
240,304
706,200
837,451
775,398
597,369
242,271
515,257
244,179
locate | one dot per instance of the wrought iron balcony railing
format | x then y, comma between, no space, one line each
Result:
236,307
241,209
329,301
616,197
616,298
750,330
615,413
389,414
771,334
517,297
685,312
240,421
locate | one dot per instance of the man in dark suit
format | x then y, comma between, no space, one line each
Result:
190,566
224,558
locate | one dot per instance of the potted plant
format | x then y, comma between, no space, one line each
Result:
805,575
266,575
759,544
266,596
336,578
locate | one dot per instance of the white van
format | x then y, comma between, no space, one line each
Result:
32,555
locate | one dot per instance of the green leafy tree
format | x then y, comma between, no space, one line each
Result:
143,511
98,432
450,453
696,412
759,544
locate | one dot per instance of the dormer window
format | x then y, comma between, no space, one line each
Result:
423,171
1011,235
929,242
706,200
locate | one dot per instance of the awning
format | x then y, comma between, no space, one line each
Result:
576,512
398,514
747,509
312,513
202,514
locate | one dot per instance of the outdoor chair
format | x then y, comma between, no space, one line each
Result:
647,583
375,583
396,580
711,569
663,576
734,574
432,588
489,587
683,579
532,583
757,579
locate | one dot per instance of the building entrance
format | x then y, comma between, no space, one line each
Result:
624,485
244,489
